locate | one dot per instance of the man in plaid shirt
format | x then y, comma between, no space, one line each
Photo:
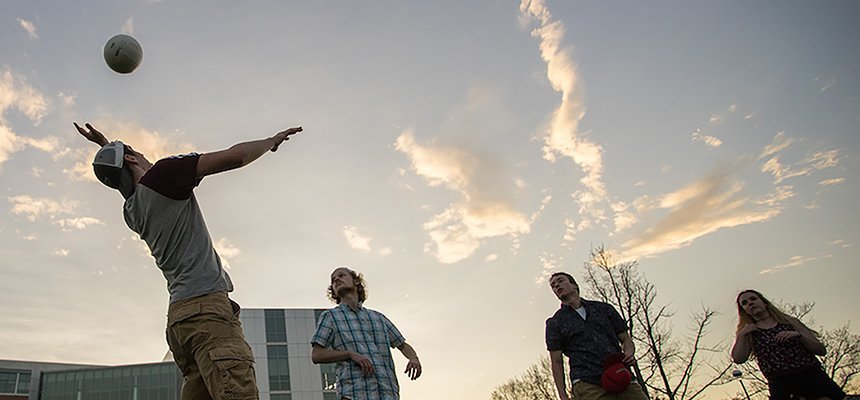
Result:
359,340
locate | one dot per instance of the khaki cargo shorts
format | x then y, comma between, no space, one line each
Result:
209,347
586,391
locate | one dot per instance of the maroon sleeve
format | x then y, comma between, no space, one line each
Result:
173,177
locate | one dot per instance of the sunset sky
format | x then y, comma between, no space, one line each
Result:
456,153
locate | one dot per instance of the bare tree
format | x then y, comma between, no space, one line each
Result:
677,370
535,384
842,361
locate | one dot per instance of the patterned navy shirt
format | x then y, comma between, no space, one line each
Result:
366,332
586,342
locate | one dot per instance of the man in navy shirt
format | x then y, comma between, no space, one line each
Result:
203,329
587,332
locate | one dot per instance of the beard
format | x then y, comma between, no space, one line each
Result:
345,290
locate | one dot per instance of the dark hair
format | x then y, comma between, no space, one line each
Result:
569,277
358,281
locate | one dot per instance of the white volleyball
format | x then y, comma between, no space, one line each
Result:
123,53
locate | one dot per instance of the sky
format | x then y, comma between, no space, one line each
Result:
455,153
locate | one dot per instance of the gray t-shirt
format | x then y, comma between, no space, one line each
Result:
165,213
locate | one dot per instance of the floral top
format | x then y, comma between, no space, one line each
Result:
781,358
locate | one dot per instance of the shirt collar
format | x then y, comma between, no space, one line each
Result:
346,307
581,301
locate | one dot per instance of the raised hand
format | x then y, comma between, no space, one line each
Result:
282,136
786,335
91,134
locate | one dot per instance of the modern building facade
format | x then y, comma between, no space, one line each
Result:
279,338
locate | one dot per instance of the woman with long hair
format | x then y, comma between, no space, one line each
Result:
784,348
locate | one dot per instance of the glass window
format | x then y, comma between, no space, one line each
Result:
276,327
279,367
329,376
8,381
330,396
24,383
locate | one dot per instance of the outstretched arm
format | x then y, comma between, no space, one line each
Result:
413,368
242,154
91,134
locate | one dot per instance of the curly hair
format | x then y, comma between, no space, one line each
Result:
358,281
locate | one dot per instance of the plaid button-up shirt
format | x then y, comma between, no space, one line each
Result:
366,332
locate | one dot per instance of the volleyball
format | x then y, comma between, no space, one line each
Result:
123,53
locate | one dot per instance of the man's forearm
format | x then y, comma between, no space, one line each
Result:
237,156
558,378
252,150
408,352
322,355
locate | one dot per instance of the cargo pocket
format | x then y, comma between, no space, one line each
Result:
234,364
183,313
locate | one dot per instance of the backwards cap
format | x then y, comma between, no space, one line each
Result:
109,168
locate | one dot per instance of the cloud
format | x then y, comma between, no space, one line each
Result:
9,143
128,26
795,261
810,164
703,207
67,100
485,211
451,239
827,84
776,197
226,251
780,142
549,265
831,182
708,140
29,27
624,218
355,239
17,94
35,208
78,223
563,137
840,243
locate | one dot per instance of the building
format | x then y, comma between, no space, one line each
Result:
279,338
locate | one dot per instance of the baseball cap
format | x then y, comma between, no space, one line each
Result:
616,377
109,168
